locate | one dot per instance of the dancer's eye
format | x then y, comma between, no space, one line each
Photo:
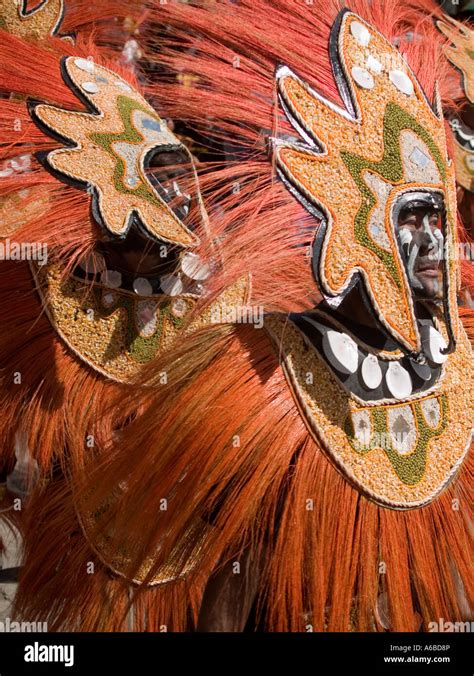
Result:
408,219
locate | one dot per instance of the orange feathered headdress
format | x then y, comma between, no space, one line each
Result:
220,466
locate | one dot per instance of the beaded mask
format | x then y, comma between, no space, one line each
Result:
129,298
38,23
383,397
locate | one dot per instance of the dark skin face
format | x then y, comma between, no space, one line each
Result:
425,274
421,236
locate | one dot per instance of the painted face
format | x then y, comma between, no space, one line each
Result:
421,237
389,146
378,174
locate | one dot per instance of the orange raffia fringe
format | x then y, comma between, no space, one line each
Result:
228,440
110,22
224,441
249,39
44,389
229,445
70,589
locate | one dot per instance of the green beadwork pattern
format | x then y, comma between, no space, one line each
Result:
126,107
390,167
409,468
141,349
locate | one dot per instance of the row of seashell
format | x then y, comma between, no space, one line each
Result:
192,268
342,353
364,77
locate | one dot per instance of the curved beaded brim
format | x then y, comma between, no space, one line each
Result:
399,452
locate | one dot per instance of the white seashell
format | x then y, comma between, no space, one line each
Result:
90,87
371,372
360,33
401,81
123,85
111,278
85,64
194,268
362,77
398,381
374,65
109,299
432,343
431,412
142,287
341,351
402,429
171,285
146,318
362,424
198,289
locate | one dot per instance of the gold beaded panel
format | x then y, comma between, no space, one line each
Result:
117,332
356,164
37,24
111,149
464,159
461,51
362,439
